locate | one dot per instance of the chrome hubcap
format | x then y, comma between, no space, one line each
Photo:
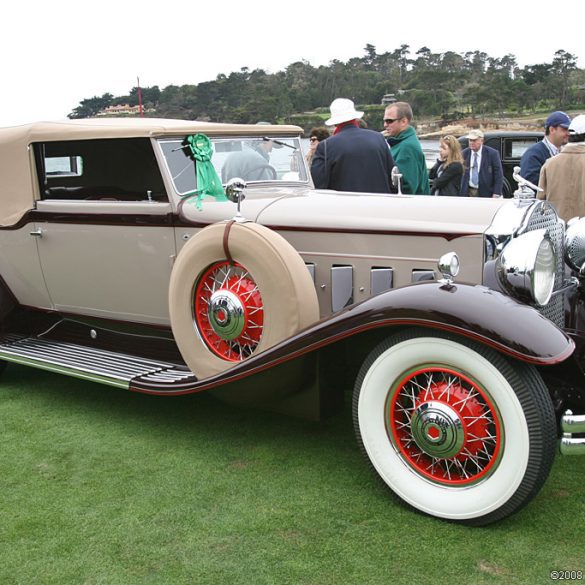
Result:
437,430
226,314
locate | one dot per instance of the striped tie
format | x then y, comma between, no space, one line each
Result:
474,172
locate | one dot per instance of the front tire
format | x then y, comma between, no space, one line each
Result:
452,427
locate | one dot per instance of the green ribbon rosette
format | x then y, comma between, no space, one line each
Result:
208,183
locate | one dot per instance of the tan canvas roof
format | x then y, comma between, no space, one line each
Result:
17,173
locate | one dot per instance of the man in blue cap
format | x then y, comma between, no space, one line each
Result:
556,130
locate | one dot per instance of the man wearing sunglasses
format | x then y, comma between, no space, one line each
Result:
406,149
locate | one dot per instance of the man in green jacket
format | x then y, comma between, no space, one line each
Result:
406,149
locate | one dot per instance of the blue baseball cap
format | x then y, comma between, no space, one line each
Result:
558,119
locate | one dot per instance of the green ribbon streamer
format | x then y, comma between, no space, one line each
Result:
208,183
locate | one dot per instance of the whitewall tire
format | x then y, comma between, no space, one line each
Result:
453,428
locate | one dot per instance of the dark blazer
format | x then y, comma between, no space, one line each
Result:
532,161
449,181
491,174
354,159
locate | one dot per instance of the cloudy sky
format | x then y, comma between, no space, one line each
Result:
54,54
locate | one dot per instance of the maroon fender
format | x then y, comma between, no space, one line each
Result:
475,312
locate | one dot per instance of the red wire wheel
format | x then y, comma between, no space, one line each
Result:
454,428
228,311
444,426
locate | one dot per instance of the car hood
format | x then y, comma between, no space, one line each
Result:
340,211
369,212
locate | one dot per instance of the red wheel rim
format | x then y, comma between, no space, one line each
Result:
445,426
228,311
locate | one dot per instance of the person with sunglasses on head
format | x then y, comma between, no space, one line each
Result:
446,174
354,158
316,135
406,149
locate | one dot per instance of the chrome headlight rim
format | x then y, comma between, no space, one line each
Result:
575,243
527,265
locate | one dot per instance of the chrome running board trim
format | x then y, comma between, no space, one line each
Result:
572,424
97,365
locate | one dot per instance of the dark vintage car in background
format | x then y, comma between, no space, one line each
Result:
456,324
511,145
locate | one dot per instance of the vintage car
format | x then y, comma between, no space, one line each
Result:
511,145
170,257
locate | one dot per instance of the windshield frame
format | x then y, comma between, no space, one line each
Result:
284,152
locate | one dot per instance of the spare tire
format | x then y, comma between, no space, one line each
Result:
236,289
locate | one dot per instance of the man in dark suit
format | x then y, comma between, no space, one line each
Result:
556,130
483,174
354,158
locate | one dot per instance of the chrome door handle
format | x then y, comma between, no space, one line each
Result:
38,233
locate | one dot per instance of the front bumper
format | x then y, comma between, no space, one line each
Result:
571,425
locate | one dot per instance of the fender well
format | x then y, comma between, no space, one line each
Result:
475,312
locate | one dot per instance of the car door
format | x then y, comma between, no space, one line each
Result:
104,229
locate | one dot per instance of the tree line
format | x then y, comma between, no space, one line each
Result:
448,85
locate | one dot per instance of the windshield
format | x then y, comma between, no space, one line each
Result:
252,159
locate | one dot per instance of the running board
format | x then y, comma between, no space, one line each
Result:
97,365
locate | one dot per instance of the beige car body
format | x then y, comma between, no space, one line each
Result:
96,269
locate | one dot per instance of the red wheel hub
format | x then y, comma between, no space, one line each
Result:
228,311
444,426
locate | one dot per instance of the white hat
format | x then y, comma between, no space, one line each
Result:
474,135
577,125
342,110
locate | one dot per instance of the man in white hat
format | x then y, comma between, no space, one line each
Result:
562,177
354,158
483,173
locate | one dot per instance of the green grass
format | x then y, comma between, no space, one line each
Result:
99,486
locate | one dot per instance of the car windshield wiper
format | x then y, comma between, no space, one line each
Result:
268,139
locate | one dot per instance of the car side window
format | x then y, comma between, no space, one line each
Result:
111,169
515,148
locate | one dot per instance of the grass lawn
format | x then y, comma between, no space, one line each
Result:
99,486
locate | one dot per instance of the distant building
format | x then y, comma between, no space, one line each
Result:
121,109
388,99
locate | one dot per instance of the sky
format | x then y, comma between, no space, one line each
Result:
57,53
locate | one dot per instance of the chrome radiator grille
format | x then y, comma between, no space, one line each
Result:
543,216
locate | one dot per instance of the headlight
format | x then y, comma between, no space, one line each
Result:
449,265
575,243
526,267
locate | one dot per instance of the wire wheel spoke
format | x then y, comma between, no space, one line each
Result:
444,426
228,311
